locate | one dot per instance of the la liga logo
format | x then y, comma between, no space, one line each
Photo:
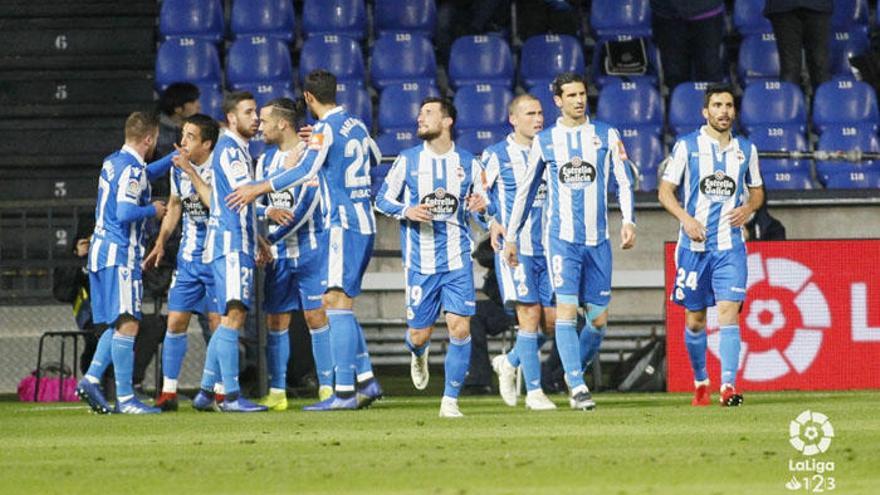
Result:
810,433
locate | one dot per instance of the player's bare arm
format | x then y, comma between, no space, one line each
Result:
420,213
693,228
169,223
740,216
496,234
247,194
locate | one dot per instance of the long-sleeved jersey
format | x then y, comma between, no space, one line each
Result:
194,228
230,231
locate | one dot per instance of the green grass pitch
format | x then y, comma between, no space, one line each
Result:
632,444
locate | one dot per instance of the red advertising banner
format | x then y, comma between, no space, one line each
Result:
811,319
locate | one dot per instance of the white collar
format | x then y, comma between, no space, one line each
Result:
511,141
731,145
434,154
238,139
131,151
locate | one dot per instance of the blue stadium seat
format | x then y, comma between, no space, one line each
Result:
392,142
849,175
340,55
544,56
644,149
758,58
409,16
541,90
849,14
482,106
377,177
399,105
773,103
356,102
748,17
846,44
686,107
258,59
782,173
211,98
345,17
631,106
476,140
401,58
613,17
202,19
187,60
482,59
845,103
274,18
264,92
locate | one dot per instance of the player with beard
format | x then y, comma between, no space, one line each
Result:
427,189
230,249
722,188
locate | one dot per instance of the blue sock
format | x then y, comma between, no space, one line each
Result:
343,342
527,347
102,358
418,351
513,355
458,358
227,356
728,347
323,355
277,356
173,352
569,353
362,356
696,347
122,350
590,342
211,371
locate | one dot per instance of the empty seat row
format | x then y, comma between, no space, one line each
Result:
276,18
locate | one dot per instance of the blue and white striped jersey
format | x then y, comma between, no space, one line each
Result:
118,235
194,228
420,176
340,153
579,162
505,163
304,201
715,182
230,231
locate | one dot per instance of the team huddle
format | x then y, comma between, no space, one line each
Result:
303,212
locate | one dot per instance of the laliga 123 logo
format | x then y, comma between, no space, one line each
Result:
810,433
786,320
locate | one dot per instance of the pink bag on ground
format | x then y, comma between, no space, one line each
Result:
50,383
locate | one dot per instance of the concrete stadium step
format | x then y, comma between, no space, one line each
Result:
59,141
16,9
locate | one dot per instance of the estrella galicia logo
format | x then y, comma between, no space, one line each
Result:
282,199
718,187
193,207
577,174
443,204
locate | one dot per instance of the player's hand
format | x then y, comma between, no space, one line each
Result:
182,160
160,209
292,158
627,236
243,196
739,216
510,254
305,132
82,248
476,203
264,252
496,234
420,213
153,259
281,216
694,229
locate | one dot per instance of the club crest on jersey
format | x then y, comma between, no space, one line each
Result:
194,208
577,174
718,187
282,199
443,204
133,188
239,168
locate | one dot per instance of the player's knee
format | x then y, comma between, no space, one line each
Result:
419,336
598,315
315,318
178,321
728,312
127,324
529,316
337,299
278,321
236,314
695,322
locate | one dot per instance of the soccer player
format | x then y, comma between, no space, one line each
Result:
296,278
722,188
526,287
580,155
428,189
230,249
192,285
340,153
115,254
